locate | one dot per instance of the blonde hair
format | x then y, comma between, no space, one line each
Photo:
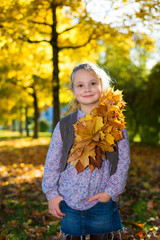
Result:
95,70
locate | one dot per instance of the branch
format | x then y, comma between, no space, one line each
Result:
41,23
33,41
21,87
70,28
79,46
37,41
44,33
67,29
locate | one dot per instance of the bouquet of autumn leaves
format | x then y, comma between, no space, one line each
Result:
98,132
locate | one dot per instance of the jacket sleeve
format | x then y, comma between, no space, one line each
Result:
51,168
117,181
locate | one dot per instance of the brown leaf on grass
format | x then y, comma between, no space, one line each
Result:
14,224
141,234
141,225
153,237
54,238
150,204
2,236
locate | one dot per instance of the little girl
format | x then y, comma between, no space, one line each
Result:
85,201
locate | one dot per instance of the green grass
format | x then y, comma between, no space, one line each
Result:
6,134
137,138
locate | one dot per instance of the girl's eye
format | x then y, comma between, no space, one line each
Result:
93,83
80,85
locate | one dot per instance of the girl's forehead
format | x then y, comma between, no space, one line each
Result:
80,74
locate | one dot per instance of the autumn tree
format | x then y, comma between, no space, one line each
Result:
28,84
33,30
66,26
43,21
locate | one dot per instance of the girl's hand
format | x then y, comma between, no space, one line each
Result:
54,209
101,197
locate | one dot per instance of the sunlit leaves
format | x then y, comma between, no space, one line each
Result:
25,21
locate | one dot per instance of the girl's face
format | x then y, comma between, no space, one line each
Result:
86,89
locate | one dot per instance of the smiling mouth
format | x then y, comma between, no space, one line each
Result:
88,96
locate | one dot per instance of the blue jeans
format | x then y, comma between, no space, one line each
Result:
100,219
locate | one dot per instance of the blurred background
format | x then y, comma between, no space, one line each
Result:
41,41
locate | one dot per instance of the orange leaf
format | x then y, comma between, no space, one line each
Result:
141,225
91,167
79,166
141,234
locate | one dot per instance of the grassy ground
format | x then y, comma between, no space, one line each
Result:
5,134
23,206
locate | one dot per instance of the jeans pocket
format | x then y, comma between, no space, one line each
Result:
61,204
107,202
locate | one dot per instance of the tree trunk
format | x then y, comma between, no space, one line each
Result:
14,125
55,77
27,120
36,114
20,121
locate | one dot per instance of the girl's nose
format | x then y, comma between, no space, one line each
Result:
87,89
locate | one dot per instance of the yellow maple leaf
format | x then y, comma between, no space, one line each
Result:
84,160
109,95
117,95
102,135
109,138
105,146
114,108
117,135
98,123
85,156
96,136
74,155
74,163
109,129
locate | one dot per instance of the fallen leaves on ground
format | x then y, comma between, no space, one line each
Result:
23,207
